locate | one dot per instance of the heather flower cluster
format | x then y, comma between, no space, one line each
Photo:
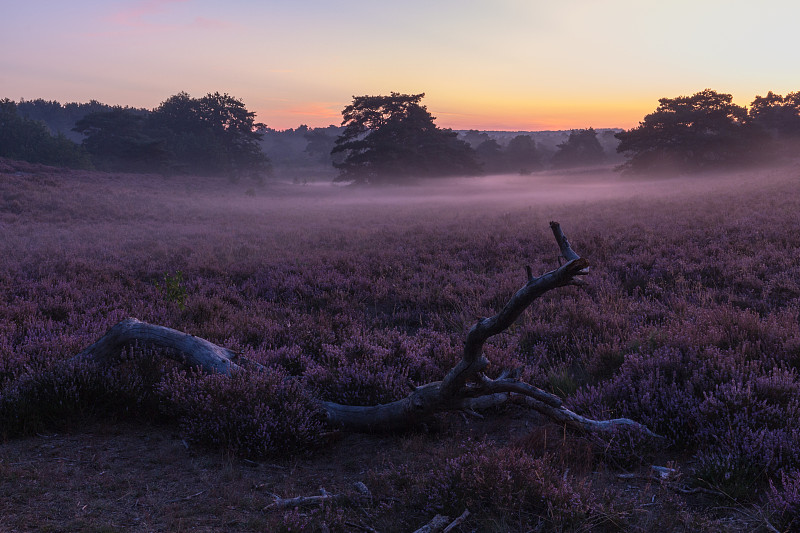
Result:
256,416
68,391
784,496
509,487
505,480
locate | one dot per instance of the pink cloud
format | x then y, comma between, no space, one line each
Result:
143,17
134,16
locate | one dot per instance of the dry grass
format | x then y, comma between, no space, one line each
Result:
142,478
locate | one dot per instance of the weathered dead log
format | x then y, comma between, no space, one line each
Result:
465,387
194,351
581,423
454,392
185,348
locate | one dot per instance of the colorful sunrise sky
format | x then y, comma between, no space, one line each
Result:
491,65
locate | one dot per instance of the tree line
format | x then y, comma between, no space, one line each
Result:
394,139
687,134
211,135
30,140
708,131
385,139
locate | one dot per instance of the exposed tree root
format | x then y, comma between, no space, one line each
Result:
465,387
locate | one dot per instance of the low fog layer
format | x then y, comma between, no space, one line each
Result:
545,190
76,212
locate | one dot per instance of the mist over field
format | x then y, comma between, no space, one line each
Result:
98,211
687,324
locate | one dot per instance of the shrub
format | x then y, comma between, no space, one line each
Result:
786,499
661,390
173,289
507,481
359,372
256,415
64,392
731,473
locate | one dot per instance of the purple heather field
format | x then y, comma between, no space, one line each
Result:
688,323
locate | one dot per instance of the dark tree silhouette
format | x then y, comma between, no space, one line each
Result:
215,134
117,140
30,140
62,118
776,115
491,156
475,137
581,149
522,155
688,133
393,139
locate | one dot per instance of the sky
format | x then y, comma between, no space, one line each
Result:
516,65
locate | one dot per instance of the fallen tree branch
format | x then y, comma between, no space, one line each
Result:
662,473
506,384
472,360
464,387
581,423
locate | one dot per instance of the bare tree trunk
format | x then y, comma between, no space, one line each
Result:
464,387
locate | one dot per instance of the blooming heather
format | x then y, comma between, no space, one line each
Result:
689,322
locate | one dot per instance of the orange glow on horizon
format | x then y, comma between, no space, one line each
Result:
507,116
505,65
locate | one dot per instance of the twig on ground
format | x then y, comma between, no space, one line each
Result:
663,473
699,490
302,501
185,498
322,498
438,523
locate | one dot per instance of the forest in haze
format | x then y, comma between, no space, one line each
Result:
388,139
587,330
96,135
